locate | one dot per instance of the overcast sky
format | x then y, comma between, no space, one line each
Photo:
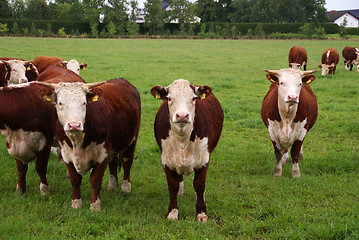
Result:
330,4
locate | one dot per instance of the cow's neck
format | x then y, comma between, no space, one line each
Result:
287,111
182,134
76,139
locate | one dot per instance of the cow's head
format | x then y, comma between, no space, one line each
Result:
289,83
326,69
181,96
73,65
70,100
17,71
295,65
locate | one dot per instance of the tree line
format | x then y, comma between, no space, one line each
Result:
118,17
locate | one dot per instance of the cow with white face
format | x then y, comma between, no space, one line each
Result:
16,71
187,129
43,62
330,59
289,111
74,65
98,122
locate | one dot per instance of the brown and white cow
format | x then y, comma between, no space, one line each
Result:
350,57
298,58
97,123
289,111
330,59
187,128
16,70
28,124
42,62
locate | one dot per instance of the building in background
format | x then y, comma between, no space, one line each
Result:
351,16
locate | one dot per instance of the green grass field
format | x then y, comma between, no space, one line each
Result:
243,199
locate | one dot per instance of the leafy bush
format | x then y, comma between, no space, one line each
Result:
320,33
111,28
3,28
61,31
258,31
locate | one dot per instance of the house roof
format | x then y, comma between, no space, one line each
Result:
164,4
334,15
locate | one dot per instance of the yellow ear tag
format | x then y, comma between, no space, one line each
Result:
47,98
83,68
5,68
203,96
157,95
272,80
95,98
28,68
309,81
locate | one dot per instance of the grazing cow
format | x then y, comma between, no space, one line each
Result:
96,125
187,129
350,57
42,62
28,124
16,70
330,59
289,111
297,58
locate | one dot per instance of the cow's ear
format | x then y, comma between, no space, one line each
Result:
308,79
319,66
203,91
48,95
93,95
83,66
272,77
63,63
159,92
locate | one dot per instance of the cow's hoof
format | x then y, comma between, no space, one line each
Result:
19,190
181,188
126,186
295,173
112,183
202,217
277,172
96,206
44,190
173,215
76,203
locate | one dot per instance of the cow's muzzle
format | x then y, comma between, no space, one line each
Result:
74,126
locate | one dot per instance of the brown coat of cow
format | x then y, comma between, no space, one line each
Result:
350,55
298,57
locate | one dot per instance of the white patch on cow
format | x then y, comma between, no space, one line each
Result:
23,145
44,189
328,54
17,72
112,183
295,170
173,215
20,85
202,217
184,156
181,188
74,66
96,206
83,158
76,203
126,186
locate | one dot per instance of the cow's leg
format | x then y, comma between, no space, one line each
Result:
41,169
96,182
181,186
173,180
279,153
334,69
21,170
112,165
127,160
199,184
75,179
285,157
351,66
295,154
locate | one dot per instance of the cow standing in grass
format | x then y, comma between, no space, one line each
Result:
297,58
97,123
289,111
187,129
330,59
43,62
350,57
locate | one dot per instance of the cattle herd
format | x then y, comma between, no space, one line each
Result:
45,103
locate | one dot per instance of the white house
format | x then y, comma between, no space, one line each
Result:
351,16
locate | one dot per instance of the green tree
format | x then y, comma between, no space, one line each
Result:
154,17
5,11
15,28
37,9
116,11
18,9
206,10
111,28
92,10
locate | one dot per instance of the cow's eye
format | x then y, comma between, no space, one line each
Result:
84,103
169,99
60,103
281,83
300,84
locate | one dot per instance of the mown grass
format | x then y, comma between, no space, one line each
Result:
243,199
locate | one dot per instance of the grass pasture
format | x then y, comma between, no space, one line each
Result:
243,200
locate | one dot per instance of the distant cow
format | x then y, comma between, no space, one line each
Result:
289,111
350,57
297,58
330,59
16,70
28,124
42,62
187,129
97,123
